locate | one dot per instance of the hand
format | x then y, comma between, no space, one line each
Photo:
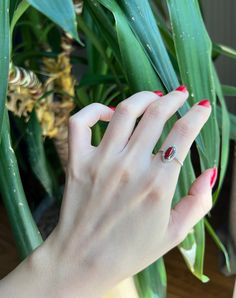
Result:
116,216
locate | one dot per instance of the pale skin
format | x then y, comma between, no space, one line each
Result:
116,216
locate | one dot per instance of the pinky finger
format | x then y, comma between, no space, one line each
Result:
191,208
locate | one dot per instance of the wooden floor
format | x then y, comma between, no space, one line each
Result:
181,283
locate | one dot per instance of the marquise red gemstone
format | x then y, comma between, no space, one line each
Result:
169,153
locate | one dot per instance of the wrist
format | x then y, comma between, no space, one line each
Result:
29,279
38,277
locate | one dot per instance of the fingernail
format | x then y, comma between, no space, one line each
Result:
213,177
205,103
113,108
182,88
158,92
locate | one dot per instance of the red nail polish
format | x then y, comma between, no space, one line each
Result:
213,177
113,108
205,103
181,88
158,92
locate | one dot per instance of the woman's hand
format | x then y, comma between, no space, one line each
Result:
116,216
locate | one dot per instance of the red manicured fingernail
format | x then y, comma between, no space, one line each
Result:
205,103
158,92
113,108
213,177
182,88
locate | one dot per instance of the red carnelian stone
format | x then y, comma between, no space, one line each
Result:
169,152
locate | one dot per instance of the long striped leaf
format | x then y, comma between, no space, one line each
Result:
4,56
224,50
24,228
225,135
131,49
193,50
149,283
37,157
141,16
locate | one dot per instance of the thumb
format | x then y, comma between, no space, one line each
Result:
193,207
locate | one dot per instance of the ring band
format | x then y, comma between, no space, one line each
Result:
169,154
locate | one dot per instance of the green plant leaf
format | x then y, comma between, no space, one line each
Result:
21,8
25,231
4,56
193,50
224,50
228,90
152,282
106,27
130,48
141,16
95,79
225,135
99,46
37,157
218,243
193,247
61,12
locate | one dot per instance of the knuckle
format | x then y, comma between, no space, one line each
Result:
124,108
156,195
125,173
155,110
183,128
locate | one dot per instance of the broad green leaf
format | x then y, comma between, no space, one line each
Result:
61,12
141,16
37,157
193,50
130,48
4,56
25,231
